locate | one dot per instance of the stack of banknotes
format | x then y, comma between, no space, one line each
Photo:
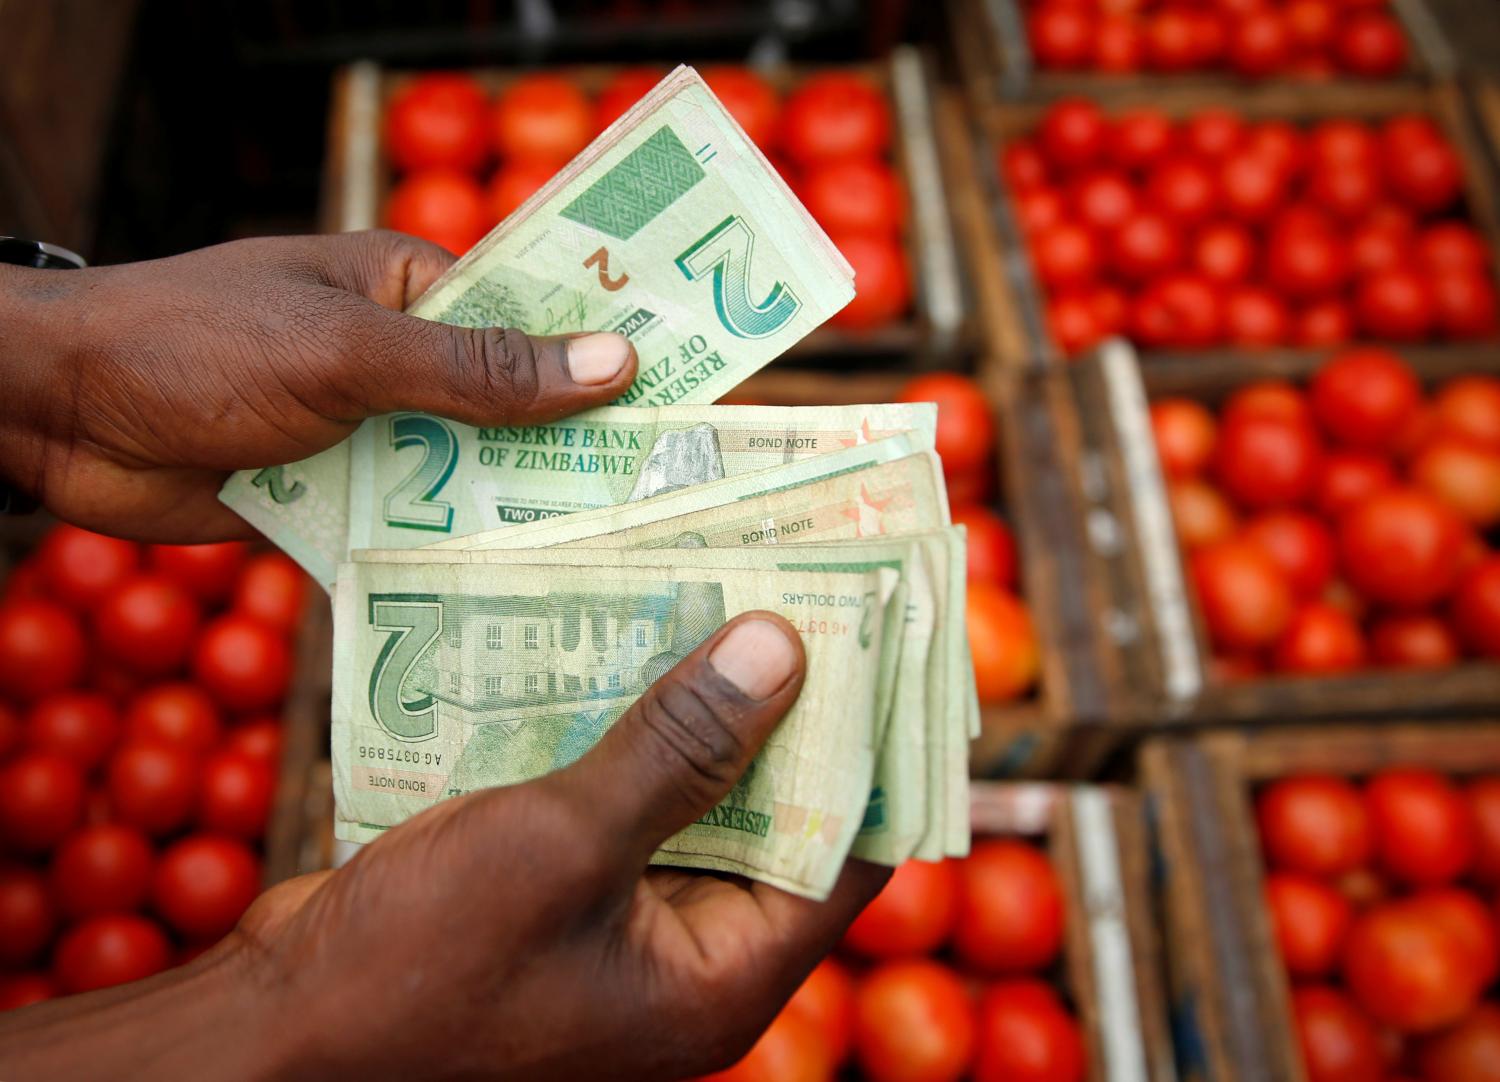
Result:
502,595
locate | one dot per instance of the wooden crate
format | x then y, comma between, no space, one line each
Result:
1229,990
1157,659
937,333
1016,301
993,53
1096,838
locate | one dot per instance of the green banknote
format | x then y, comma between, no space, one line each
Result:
457,676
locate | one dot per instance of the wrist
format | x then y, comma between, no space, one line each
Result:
35,310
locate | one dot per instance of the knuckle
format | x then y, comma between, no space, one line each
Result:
695,731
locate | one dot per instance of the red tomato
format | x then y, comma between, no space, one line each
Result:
41,649
1275,399
1072,133
883,282
27,916
543,117
1464,303
1010,911
110,949
1260,44
1310,23
1025,1035
103,868
1110,308
436,121
1200,513
1476,607
1348,477
440,205
1347,190
835,115
272,589
1224,252
153,786
1184,189
1409,971
1072,322
1022,166
1371,44
1395,304
179,713
1401,546
792,1049
79,725
1424,831
1255,317
10,730
79,567
1279,143
1469,407
854,195
749,99
1103,199
1245,599
1324,324
1039,209
1338,1042
1139,138
1469,1052
243,664
204,883
826,998
1178,310
1061,36
1309,919
1365,397
1300,545
147,622
1321,639
1453,246
1251,184
1425,173
1379,245
1064,255
624,89
1304,260
41,799
514,183
913,1022
991,547
260,737
1172,43
23,989
1119,45
1342,140
236,794
966,426
1314,823
208,572
1470,920
1265,462
1463,475
26,582
1147,245
1002,643
1214,132
1415,640
1185,432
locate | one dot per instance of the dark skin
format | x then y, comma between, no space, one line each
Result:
514,933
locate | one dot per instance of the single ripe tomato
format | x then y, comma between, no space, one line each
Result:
1002,643
235,795
882,281
1425,174
624,89
101,868
835,115
541,116
1072,133
204,883
1396,304
1224,253
1315,824
792,1049
1469,1052
1401,546
1172,41
23,989
1348,477
1463,475
110,949
1103,199
78,725
148,623
1010,911
1476,607
966,424
1255,318
991,547
1072,321
512,184
1185,432
1424,830
79,566
1469,407
260,737
41,649
27,915
826,998
443,206
1185,189
1470,919
1026,1035
1022,166
1119,45
1200,513
1324,324
1409,971
1379,244
1146,245
1061,35
1464,304
1452,246
1065,256
153,786
1370,43
1306,260
208,572
244,664
1139,138
1265,462
913,1022
1039,209
1260,44
1214,132
1279,143
854,195
1342,140
273,590
1321,639
1364,397
1245,599
1180,310
177,713
1275,399
1338,1043
1310,24
1415,640
1310,920
41,799
1301,546
436,121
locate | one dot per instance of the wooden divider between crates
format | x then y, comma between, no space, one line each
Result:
357,180
1229,990
1018,302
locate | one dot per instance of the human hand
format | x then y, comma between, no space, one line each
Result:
133,390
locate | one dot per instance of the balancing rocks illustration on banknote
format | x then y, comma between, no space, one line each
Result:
502,595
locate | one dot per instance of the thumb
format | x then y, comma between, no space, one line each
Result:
679,750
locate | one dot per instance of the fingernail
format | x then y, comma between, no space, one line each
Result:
755,657
597,358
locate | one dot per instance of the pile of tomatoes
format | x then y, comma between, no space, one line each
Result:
1382,899
139,745
1254,38
466,161
1002,640
946,975
1219,231
1343,524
